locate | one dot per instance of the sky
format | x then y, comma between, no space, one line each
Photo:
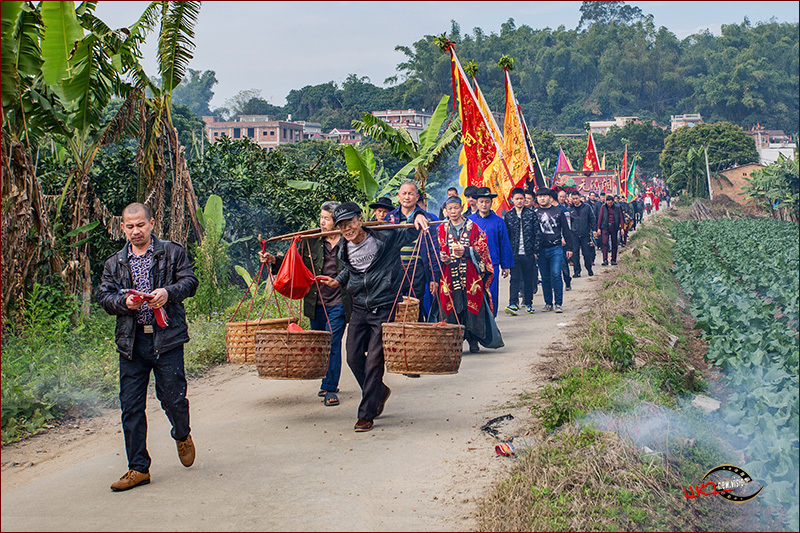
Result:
279,46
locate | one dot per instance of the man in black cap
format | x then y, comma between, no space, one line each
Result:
381,207
470,192
554,234
372,275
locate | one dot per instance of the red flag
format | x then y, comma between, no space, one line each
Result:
479,147
590,162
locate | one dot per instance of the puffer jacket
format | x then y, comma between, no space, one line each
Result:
170,270
529,226
379,284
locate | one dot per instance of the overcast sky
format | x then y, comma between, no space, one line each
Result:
279,46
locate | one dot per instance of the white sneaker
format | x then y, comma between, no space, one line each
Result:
558,309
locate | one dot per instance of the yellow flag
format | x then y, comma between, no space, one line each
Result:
510,167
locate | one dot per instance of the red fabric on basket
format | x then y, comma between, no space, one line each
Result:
293,280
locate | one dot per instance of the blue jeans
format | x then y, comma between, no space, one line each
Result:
320,323
550,261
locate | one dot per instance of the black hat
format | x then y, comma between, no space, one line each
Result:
384,201
346,211
544,191
484,192
469,191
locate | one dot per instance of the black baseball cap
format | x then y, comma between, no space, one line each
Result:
346,211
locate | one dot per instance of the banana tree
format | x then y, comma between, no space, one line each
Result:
423,156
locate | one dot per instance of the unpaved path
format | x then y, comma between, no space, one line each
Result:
271,456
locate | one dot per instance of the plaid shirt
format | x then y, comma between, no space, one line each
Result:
140,268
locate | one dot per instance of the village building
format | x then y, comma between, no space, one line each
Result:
734,182
601,127
771,144
344,136
691,120
262,129
408,119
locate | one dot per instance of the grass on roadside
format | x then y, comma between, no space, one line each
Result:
630,364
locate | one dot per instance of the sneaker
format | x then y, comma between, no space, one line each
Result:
186,451
512,310
411,375
530,310
590,272
577,275
474,347
547,308
131,479
568,288
558,309
604,263
613,263
363,425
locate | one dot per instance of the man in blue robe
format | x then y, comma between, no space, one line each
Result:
496,232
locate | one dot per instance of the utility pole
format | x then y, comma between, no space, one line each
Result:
708,174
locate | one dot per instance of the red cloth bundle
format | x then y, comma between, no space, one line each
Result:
293,280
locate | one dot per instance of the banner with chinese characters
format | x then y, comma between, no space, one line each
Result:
600,181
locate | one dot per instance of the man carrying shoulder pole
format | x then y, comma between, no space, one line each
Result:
373,275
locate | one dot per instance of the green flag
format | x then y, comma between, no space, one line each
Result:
631,185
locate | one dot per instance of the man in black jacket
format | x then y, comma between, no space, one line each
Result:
373,276
145,343
608,223
553,235
522,225
582,226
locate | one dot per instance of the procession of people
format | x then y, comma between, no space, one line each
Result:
453,269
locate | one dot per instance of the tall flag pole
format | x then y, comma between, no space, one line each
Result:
503,177
536,174
479,149
590,163
623,177
481,146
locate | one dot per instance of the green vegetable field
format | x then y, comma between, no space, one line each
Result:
742,279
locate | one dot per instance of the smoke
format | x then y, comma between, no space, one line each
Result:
687,430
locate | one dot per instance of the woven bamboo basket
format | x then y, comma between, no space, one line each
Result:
422,348
240,343
412,315
292,354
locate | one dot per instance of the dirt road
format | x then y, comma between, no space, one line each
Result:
271,456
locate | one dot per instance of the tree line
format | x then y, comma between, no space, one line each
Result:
615,63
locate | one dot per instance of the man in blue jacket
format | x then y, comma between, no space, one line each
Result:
497,238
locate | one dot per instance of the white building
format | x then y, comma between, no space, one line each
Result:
408,119
691,120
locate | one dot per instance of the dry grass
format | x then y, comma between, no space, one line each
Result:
586,480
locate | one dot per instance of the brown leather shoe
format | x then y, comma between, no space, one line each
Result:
363,425
383,402
131,479
186,451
